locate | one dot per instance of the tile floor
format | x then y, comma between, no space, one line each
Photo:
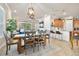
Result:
65,49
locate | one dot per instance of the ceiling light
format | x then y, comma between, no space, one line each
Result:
14,11
31,12
64,13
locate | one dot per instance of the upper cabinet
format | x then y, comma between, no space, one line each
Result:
65,24
58,23
76,24
68,25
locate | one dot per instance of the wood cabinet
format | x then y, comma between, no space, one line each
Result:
76,24
58,23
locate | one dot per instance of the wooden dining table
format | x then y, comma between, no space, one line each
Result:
21,38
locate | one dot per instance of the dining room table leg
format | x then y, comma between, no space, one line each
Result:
19,45
21,48
77,42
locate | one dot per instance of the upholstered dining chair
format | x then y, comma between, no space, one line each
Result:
9,42
29,42
40,39
76,37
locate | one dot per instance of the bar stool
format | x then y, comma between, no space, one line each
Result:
76,37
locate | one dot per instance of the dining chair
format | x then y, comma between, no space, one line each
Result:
76,37
29,41
40,39
9,42
43,37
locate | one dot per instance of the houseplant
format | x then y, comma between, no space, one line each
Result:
11,26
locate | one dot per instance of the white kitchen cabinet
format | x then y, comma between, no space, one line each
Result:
68,25
66,35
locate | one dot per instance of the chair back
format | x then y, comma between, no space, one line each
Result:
6,37
30,34
34,32
42,32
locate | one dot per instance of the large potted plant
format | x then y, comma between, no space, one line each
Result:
11,26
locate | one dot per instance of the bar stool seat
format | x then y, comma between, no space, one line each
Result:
76,38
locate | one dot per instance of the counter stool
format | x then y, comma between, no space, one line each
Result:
76,38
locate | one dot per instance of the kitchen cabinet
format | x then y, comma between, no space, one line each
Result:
68,25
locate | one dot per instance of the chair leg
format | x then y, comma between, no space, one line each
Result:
9,47
61,37
44,44
49,41
77,42
33,48
25,52
53,36
6,49
38,47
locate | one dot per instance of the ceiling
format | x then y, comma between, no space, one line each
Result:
54,9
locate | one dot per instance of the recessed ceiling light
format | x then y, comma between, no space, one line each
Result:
14,11
64,13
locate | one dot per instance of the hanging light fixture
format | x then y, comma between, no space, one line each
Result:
31,13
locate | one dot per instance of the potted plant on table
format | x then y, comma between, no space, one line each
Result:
11,26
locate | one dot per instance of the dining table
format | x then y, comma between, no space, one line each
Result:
22,37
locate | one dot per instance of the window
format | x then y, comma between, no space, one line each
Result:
1,22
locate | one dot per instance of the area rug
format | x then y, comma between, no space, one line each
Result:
41,52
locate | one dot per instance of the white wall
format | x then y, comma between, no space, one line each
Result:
47,22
